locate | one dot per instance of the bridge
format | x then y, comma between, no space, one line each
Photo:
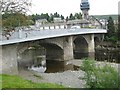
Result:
60,45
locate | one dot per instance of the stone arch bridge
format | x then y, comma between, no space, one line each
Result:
60,45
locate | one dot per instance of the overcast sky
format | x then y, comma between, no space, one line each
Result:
65,7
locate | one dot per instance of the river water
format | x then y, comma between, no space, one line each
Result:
51,66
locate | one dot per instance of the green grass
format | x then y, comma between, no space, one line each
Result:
17,82
0,82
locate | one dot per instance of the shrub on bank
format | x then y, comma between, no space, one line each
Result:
103,76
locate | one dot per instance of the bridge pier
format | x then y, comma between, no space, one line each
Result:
59,55
9,59
58,52
59,49
68,48
91,48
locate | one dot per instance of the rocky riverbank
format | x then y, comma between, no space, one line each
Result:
69,78
72,79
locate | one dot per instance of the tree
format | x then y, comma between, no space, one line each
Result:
14,20
71,17
44,16
13,6
111,27
62,17
66,19
51,18
56,14
78,15
14,13
118,32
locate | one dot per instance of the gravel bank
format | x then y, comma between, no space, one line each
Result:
72,79
67,78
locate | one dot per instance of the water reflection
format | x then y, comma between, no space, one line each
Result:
58,66
52,66
38,68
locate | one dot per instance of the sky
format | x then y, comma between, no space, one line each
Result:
65,7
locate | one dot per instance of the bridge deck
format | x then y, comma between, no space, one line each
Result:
31,35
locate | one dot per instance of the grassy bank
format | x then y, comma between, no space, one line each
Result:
17,82
100,76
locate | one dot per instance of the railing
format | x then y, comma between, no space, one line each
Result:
41,29
23,34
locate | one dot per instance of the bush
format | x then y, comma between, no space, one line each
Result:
100,76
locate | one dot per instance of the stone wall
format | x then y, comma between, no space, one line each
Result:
9,59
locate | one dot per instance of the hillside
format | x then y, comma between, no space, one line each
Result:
115,17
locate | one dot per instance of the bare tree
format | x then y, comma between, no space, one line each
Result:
13,14
13,6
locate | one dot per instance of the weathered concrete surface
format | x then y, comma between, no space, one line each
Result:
54,53
84,46
59,49
91,47
32,35
9,59
80,47
0,59
26,59
68,48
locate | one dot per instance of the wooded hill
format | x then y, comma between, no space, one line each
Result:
114,17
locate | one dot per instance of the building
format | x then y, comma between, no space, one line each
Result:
85,6
57,20
39,22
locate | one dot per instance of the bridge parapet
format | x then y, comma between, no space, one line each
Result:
28,35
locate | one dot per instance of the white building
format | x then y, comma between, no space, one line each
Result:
40,22
57,20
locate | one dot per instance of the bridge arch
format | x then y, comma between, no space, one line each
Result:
53,51
80,48
25,55
98,38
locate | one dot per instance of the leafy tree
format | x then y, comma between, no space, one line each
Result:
62,17
51,17
56,14
14,20
78,15
111,27
14,13
118,32
67,18
44,16
35,17
111,34
71,17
